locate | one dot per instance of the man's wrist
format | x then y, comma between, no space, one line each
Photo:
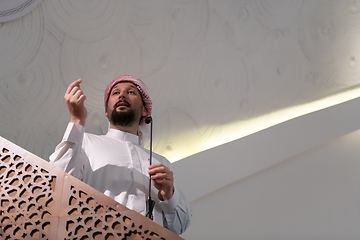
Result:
165,198
78,121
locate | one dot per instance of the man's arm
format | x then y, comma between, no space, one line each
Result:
176,208
177,212
68,153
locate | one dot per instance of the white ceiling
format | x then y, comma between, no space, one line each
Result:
210,65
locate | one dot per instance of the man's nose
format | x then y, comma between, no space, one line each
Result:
122,94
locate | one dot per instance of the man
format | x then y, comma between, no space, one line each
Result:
115,163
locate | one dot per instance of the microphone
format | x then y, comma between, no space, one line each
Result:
150,203
148,120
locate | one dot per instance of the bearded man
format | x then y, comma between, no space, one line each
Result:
116,164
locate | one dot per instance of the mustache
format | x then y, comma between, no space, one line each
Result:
121,101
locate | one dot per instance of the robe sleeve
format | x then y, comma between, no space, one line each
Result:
177,212
68,154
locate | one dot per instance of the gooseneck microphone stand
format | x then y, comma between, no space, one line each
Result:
150,203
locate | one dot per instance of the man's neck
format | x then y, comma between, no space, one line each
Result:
133,129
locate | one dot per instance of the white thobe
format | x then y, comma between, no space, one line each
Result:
116,165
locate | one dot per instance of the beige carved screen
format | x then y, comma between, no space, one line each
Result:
39,201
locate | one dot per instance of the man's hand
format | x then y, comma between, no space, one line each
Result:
74,99
163,180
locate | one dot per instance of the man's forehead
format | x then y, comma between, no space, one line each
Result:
126,84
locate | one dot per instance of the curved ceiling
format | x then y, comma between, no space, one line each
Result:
217,71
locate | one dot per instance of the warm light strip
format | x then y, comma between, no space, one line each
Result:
240,129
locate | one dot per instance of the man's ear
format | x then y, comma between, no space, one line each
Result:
144,112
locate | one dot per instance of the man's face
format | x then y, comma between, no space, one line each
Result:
125,105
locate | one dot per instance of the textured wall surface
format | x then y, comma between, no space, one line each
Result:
207,63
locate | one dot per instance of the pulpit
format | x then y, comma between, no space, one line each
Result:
40,201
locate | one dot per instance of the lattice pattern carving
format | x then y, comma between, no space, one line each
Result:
39,201
93,220
27,194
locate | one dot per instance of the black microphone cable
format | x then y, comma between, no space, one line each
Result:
150,203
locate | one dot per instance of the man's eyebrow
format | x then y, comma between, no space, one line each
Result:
131,87
116,87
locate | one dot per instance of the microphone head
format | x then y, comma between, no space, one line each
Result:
148,120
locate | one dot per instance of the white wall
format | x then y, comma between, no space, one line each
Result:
314,195
296,180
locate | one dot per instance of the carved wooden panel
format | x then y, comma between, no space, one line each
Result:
40,201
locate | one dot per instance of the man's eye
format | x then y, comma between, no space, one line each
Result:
131,91
115,93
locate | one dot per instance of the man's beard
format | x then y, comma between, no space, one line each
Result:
122,118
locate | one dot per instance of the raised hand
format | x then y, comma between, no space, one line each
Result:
74,99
